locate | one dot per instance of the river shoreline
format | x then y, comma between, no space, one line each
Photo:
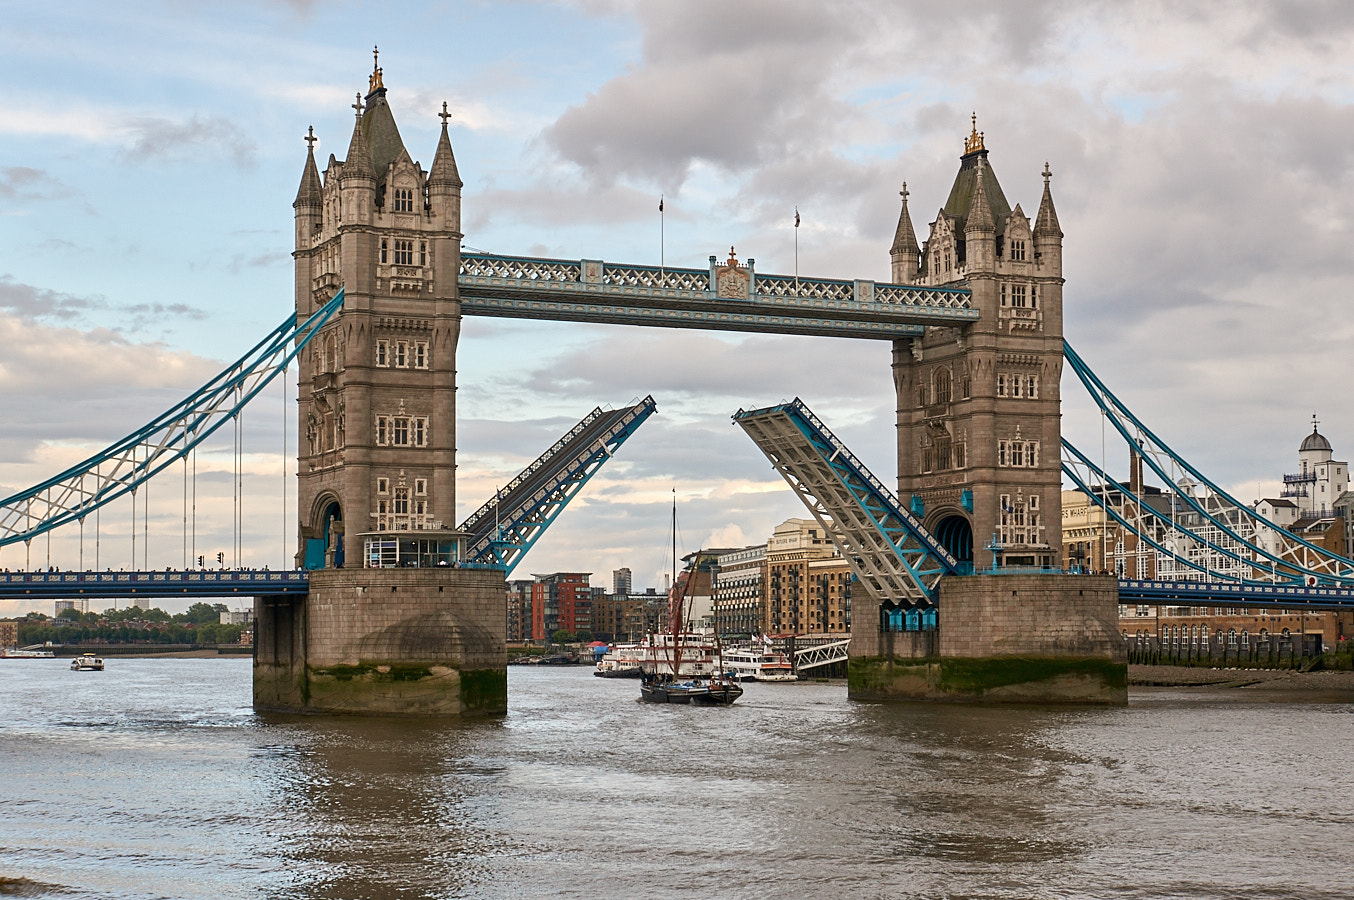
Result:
1248,685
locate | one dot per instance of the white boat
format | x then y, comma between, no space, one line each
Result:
759,663
8,653
87,663
620,661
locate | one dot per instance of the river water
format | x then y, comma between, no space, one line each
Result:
156,779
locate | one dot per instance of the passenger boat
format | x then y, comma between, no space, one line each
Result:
680,666
759,663
11,653
87,663
620,661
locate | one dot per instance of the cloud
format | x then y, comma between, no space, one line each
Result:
726,85
157,138
24,183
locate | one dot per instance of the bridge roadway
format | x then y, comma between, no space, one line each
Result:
723,298
221,583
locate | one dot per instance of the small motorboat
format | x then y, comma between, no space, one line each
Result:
87,662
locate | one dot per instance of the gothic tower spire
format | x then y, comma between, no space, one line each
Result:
905,252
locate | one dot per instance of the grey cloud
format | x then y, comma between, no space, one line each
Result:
160,138
724,84
241,261
29,302
24,183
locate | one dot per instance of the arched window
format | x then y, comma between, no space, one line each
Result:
943,385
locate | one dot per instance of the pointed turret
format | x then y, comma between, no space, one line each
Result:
444,161
358,164
309,203
1048,236
310,193
905,253
980,214
980,231
358,181
444,182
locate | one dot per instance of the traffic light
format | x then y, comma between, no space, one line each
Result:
220,559
200,561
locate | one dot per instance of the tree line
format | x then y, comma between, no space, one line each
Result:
201,624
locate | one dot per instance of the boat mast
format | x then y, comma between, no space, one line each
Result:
675,600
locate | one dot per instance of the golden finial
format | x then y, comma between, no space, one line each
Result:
974,143
374,83
733,258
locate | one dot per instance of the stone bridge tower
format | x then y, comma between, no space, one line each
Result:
979,438
378,385
394,622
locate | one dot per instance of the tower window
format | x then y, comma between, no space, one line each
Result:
383,353
404,253
420,486
942,385
421,355
422,253
383,485
385,251
1018,250
404,200
401,354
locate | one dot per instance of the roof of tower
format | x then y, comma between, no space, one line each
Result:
378,126
1046,223
1314,441
966,181
904,238
444,161
310,193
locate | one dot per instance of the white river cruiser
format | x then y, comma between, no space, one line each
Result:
758,663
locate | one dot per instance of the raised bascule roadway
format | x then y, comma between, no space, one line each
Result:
974,317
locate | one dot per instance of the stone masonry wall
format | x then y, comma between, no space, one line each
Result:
1030,615
426,616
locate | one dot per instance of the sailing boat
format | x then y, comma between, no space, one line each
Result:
664,676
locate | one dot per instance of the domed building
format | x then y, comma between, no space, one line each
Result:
1321,481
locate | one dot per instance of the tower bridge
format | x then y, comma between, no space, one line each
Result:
402,611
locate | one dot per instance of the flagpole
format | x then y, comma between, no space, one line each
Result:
662,242
796,251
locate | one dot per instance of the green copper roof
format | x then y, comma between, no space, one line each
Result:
383,136
961,194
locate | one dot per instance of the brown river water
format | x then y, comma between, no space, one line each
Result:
155,779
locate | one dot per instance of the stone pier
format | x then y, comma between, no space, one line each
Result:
409,642
1003,639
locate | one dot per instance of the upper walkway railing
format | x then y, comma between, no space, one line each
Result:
727,296
180,583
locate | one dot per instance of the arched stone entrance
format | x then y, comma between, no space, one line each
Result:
325,549
955,534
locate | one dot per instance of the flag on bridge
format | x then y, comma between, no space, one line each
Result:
796,216
660,204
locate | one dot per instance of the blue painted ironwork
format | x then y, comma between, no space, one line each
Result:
891,553
122,467
1296,558
122,585
1257,595
509,524
594,291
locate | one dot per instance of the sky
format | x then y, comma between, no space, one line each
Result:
1202,163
